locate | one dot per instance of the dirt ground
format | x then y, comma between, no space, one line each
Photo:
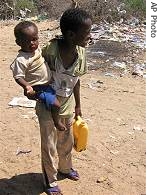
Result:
114,162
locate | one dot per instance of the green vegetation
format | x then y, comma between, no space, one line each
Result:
99,9
23,4
136,7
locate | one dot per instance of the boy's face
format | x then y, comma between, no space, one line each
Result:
82,36
29,42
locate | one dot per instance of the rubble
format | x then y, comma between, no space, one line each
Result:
130,35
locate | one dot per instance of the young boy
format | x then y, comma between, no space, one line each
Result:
31,71
65,56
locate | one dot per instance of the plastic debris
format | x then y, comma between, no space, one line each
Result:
133,21
130,133
102,179
109,74
95,84
121,65
98,30
139,70
138,128
120,32
22,102
114,152
19,151
101,53
111,136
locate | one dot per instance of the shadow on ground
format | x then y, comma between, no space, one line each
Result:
24,184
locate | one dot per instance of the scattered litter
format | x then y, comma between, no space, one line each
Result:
19,151
22,102
130,133
130,33
97,31
114,152
123,73
121,65
95,84
137,128
127,91
111,136
102,179
91,87
109,74
139,70
101,53
133,21
123,124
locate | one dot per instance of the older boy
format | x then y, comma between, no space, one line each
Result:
65,56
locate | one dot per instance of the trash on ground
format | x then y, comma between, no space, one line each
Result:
102,179
19,151
123,124
121,65
139,70
111,136
138,128
97,31
114,152
130,133
109,74
95,84
22,102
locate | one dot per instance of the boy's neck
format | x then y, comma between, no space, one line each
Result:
68,53
68,46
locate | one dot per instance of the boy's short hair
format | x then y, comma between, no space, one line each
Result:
72,19
19,29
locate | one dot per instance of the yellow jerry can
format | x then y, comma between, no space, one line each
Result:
80,133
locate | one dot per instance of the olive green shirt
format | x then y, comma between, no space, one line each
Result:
64,80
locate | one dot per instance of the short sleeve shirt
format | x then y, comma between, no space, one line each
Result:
64,79
31,67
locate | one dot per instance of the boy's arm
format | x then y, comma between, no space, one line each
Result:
76,92
18,69
26,86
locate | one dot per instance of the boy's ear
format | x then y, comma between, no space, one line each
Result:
70,34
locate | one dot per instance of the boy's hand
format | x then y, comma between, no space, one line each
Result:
29,92
77,112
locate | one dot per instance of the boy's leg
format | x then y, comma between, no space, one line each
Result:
52,104
65,145
55,109
48,144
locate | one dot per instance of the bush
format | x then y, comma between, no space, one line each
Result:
136,8
52,8
6,10
24,5
99,9
102,9
108,9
